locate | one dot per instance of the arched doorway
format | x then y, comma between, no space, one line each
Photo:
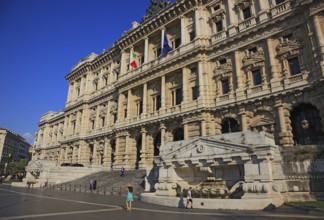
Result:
306,125
157,144
178,134
138,151
230,125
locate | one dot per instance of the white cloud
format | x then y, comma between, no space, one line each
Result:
29,137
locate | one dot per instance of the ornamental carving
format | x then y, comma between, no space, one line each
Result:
288,48
113,108
154,8
252,60
224,70
218,15
243,3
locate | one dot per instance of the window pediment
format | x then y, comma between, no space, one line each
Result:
253,60
222,71
262,122
288,48
218,15
243,3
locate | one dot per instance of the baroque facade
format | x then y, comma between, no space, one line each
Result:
232,65
13,147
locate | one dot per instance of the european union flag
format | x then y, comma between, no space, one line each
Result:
166,48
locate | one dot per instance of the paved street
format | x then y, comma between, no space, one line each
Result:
22,203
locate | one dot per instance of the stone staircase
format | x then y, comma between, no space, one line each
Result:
108,182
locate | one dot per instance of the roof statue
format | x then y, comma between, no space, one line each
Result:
154,8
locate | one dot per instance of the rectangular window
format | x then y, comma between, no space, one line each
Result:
288,37
222,61
192,35
195,93
178,96
177,43
257,77
219,26
193,70
125,113
103,119
92,124
253,50
141,60
216,7
246,13
139,107
294,66
279,2
158,102
225,86
157,52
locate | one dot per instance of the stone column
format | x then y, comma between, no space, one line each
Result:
183,30
163,93
123,63
144,98
144,150
243,119
320,39
275,81
203,128
129,107
197,22
118,154
185,84
231,17
162,37
69,92
201,82
238,74
185,131
120,106
263,15
146,50
107,154
283,135
162,128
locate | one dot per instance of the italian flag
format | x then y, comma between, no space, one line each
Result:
133,60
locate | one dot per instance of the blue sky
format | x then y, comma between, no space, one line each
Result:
40,41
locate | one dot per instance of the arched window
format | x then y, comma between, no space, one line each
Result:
230,125
178,134
306,125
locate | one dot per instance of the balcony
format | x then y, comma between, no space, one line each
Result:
248,23
280,9
219,37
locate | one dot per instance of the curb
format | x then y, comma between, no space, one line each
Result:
305,208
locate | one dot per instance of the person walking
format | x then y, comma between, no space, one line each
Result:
129,197
189,198
122,171
91,185
95,184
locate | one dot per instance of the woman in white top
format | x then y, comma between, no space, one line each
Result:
189,198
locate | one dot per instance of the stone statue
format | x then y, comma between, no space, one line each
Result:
155,7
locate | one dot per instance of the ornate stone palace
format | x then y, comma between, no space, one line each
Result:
193,68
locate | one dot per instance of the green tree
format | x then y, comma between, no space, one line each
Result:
17,167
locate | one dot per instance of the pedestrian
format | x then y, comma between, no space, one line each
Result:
189,198
122,171
95,184
129,197
91,185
